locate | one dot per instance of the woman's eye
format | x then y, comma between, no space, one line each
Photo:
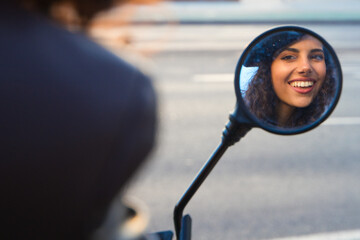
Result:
318,57
288,57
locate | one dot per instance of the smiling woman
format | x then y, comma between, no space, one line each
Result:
294,82
297,74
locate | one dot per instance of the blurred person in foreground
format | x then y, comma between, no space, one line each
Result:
76,122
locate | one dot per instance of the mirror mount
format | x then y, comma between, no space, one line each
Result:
237,127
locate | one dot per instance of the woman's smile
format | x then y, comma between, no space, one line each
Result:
302,85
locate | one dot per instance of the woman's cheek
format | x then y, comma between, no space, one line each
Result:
321,71
280,72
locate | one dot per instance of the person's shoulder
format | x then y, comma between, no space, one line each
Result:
45,52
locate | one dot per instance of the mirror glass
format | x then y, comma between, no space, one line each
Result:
288,78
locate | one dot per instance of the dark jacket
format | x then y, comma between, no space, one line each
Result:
76,122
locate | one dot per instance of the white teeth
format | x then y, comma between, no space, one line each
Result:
302,84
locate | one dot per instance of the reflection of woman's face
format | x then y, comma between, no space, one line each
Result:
298,72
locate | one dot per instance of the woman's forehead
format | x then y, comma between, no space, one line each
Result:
307,41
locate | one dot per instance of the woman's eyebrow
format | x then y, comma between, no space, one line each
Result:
291,50
297,50
317,50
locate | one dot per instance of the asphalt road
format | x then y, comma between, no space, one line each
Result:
266,186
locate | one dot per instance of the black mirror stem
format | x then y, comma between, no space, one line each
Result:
232,133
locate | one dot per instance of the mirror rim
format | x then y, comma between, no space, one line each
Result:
273,129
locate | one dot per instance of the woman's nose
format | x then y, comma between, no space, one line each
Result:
304,66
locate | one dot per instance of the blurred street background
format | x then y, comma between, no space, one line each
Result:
266,186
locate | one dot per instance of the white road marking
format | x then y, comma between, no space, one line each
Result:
343,235
342,121
214,78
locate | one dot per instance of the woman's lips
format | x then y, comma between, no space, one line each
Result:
303,85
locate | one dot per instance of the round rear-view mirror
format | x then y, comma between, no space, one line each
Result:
287,81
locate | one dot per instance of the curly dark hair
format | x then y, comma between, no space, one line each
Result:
260,95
